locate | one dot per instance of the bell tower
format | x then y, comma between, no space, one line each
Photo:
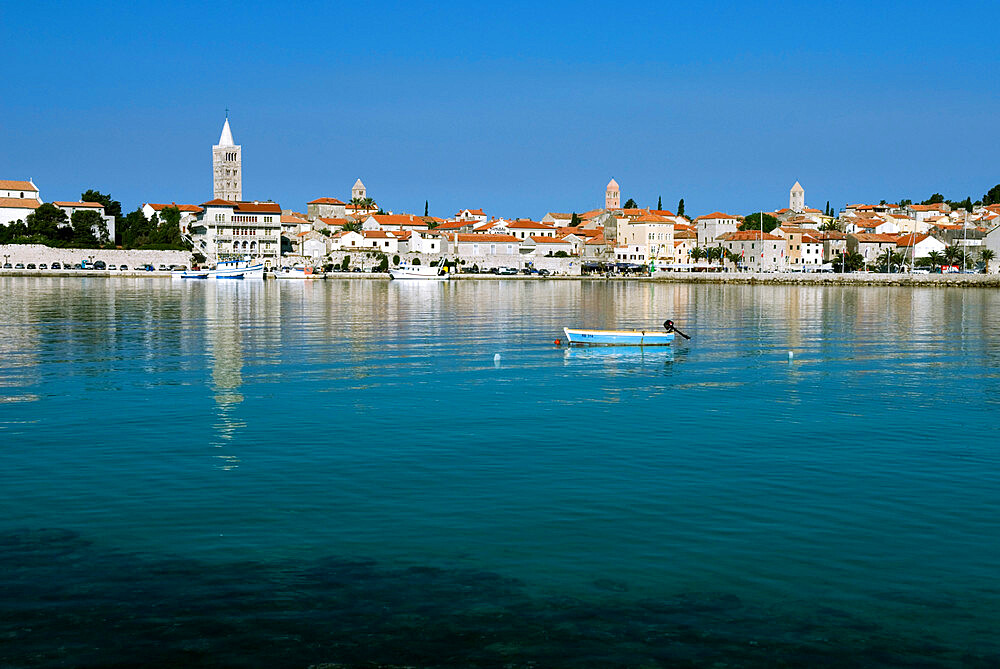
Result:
227,167
612,196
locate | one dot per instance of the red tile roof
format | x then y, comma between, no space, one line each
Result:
325,200
89,205
193,208
715,214
875,238
19,203
485,238
17,185
258,207
749,236
549,240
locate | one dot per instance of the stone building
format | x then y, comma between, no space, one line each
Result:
228,229
359,192
227,167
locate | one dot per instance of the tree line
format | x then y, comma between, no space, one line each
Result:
49,225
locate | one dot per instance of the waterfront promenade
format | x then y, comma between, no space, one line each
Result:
775,278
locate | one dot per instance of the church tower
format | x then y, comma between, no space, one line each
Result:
227,167
359,192
612,196
797,198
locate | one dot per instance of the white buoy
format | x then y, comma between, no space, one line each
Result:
496,357
790,355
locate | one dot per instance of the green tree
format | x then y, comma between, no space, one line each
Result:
631,204
574,220
426,207
697,253
88,227
936,198
905,203
849,261
829,209
953,254
935,258
352,226
395,260
659,203
752,222
680,207
45,222
345,263
135,229
992,196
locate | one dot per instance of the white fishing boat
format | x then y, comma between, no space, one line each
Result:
190,274
298,273
584,337
425,272
237,269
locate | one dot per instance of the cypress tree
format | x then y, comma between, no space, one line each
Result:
680,207
659,204
425,208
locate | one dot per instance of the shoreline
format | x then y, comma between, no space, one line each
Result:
933,280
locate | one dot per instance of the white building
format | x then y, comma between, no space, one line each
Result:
237,229
109,221
227,167
758,252
18,199
710,226
652,232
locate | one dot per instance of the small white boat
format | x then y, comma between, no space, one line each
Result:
237,269
582,337
425,272
298,273
190,274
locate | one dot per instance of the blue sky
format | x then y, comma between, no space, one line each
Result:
518,108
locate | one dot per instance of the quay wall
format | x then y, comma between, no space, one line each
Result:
39,253
817,279
365,259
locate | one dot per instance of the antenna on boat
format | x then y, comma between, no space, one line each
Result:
668,325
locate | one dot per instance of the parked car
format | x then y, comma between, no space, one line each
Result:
162,268
56,265
42,266
31,265
122,268
147,268
19,265
7,265
100,264
78,266
544,272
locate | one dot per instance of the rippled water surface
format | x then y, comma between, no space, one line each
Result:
291,474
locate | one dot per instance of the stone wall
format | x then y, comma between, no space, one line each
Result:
37,253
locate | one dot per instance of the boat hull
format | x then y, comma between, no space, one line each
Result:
415,273
580,337
300,274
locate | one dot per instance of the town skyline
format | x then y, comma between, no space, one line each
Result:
464,110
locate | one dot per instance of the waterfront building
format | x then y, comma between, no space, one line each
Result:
547,246
484,244
381,240
18,199
612,195
109,221
523,229
326,207
870,246
227,167
834,244
226,229
394,222
710,227
914,246
655,234
757,251
797,198
346,240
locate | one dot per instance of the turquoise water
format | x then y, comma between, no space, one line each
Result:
286,474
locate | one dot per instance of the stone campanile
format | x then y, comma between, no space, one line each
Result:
227,167
612,196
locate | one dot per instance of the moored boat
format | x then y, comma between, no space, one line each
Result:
581,337
237,269
425,272
191,274
298,273
585,337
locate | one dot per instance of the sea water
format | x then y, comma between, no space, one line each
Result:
365,472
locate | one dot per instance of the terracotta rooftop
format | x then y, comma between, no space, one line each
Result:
19,203
18,185
325,200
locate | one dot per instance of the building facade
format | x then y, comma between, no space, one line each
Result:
228,229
